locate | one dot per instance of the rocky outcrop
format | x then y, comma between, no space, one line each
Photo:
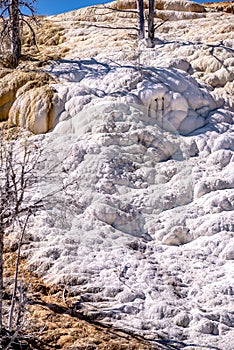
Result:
34,109
11,81
26,100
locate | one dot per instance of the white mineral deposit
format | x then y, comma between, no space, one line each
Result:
143,143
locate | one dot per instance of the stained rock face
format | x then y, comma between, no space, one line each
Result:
34,109
10,83
27,100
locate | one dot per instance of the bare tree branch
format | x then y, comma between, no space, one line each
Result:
110,27
34,42
13,300
20,171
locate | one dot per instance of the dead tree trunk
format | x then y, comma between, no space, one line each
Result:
141,19
150,40
15,32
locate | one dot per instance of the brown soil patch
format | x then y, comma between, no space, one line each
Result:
50,323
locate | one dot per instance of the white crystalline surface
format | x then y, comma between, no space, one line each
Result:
144,230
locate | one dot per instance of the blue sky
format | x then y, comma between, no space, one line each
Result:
50,7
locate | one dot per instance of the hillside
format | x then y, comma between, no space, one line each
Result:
141,238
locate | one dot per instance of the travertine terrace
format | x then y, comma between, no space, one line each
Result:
143,139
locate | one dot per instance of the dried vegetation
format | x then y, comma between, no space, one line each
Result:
51,323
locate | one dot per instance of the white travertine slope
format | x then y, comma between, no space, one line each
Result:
144,231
